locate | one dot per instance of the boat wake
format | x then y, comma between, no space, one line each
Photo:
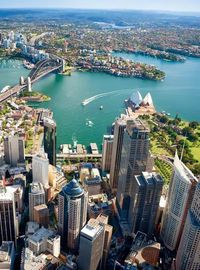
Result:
93,98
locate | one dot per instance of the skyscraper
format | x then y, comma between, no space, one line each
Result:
40,169
72,213
10,207
145,196
180,195
120,125
188,255
135,159
36,197
108,229
91,245
107,152
41,215
14,150
50,140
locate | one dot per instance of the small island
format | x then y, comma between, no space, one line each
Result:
34,96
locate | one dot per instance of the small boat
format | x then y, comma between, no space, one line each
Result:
28,65
89,123
101,107
84,102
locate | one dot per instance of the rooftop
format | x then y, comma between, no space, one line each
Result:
137,100
184,172
91,229
34,262
108,137
6,193
6,251
32,227
143,251
40,207
41,155
40,235
36,188
73,189
137,125
49,122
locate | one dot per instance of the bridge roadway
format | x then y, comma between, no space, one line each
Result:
15,90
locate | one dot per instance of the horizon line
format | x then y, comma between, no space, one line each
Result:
105,9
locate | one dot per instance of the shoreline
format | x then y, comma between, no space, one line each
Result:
34,96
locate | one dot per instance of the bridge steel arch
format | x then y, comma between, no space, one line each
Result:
44,67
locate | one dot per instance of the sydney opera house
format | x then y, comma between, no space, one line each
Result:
136,105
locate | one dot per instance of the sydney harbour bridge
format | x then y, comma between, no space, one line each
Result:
41,69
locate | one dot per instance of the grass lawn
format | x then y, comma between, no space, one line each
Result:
29,146
196,152
158,149
164,169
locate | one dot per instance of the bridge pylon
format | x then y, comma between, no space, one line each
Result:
21,80
29,88
63,65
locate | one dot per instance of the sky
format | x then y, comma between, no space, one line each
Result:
169,5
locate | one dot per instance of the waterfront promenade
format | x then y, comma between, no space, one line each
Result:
72,156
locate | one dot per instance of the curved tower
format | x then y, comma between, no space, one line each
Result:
72,213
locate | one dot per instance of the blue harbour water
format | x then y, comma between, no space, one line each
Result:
178,93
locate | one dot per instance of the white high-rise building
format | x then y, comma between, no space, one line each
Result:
91,245
107,152
40,169
14,150
180,195
36,197
72,213
188,255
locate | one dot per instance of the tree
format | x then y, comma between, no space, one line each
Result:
196,169
164,119
193,124
177,118
187,131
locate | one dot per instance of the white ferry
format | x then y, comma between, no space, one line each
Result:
5,89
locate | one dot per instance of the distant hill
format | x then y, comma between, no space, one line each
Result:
117,17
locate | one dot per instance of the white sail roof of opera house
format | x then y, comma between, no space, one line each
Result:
148,100
136,98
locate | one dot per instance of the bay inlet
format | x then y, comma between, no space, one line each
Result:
178,93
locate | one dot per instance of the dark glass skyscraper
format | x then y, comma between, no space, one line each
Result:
135,159
50,140
145,193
